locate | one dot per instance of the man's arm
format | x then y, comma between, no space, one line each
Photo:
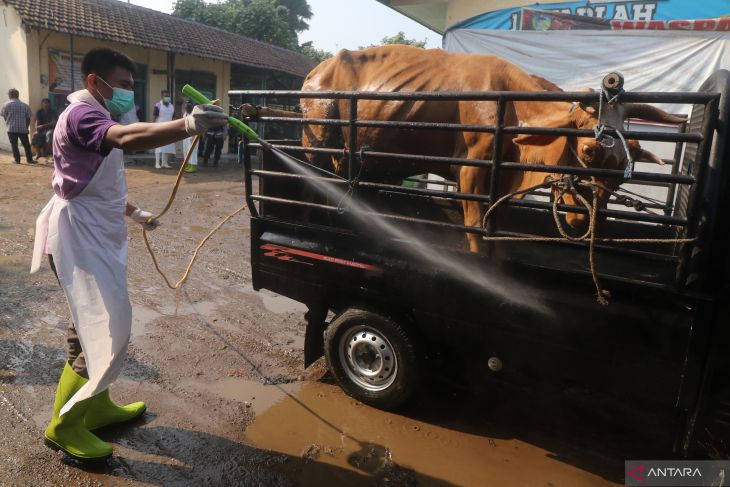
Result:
143,136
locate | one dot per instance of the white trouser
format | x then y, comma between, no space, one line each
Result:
165,159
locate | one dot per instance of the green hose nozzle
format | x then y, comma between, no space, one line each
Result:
201,99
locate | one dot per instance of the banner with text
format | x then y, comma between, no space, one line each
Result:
60,78
611,10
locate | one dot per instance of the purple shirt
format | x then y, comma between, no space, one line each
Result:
78,148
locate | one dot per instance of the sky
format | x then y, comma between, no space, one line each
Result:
346,24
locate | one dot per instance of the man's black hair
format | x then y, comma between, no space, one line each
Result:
102,61
13,93
46,99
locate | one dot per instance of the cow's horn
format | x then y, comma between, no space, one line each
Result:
651,114
590,107
646,156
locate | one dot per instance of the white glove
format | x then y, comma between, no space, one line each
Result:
204,117
141,216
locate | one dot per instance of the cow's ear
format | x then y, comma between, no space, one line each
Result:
553,120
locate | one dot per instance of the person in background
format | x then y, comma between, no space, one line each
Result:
17,119
83,231
164,112
45,121
192,166
130,117
214,141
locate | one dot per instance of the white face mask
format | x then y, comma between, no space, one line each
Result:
166,99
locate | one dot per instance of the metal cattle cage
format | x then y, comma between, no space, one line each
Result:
662,254
679,211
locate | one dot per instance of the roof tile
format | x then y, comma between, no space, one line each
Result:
117,21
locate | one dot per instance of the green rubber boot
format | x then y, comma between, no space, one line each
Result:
68,432
104,412
191,168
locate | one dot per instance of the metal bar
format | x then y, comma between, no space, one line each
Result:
623,215
353,138
638,135
461,161
426,126
657,206
672,190
693,208
462,228
644,97
286,175
629,134
606,248
581,171
307,150
434,193
284,201
431,181
496,161
309,121
248,185
380,123
438,193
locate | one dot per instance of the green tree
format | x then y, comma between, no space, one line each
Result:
318,55
399,38
277,22
297,13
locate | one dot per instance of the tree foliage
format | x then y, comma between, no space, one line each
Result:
277,22
399,38
318,55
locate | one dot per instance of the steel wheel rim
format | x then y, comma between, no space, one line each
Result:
368,359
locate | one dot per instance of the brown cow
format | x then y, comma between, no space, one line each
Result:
398,68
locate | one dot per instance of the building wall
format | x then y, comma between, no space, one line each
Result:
459,10
13,63
26,66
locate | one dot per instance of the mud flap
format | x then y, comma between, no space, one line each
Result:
314,337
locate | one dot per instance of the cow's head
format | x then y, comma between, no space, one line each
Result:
571,151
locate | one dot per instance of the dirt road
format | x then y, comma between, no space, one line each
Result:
220,367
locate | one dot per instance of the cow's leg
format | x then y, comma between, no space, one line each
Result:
319,136
473,180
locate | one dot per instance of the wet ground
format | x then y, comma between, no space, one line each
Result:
221,369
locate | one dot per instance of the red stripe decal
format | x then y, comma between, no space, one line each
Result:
282,252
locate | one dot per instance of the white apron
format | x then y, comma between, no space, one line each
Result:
87,236
186,147
165,115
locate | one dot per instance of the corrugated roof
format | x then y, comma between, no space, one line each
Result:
118,21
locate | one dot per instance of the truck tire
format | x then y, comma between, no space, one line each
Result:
372,358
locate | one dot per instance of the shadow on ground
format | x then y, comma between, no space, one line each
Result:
174,456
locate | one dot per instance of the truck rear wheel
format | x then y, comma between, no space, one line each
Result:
372,358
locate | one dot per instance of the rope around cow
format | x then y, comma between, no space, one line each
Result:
567,184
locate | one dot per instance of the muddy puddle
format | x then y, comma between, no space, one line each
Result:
142,316
344,442
281,304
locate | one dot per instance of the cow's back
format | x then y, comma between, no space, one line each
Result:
400,68
395,68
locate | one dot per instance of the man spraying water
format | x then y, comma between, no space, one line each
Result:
83,231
